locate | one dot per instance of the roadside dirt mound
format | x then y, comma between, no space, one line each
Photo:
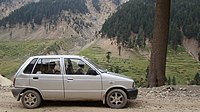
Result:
4,81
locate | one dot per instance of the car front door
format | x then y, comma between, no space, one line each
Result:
48,79
78,85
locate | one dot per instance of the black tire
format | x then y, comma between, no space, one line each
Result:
31,99
116,98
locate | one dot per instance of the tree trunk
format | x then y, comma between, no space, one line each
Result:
156,75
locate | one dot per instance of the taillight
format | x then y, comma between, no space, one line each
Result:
14,81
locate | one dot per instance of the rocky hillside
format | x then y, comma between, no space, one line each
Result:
64,23
133,23
67,35
192,47
7,6
31,19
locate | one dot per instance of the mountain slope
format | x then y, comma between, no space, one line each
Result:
7,6
53,19
136,17
67,35
50,10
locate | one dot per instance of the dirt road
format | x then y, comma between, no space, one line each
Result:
161,99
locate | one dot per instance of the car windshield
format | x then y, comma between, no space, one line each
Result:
95,65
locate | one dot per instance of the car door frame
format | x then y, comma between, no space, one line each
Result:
49,85
73,81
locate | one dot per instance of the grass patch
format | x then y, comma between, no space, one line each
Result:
179,64
14,53
134,67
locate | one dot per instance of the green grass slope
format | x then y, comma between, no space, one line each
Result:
14,53
134,67
179,64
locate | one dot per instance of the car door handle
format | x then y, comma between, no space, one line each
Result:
35,78
70,79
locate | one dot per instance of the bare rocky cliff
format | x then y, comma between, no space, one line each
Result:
192,47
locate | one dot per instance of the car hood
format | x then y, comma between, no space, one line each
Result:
119,75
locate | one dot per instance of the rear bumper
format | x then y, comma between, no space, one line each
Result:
132,93
16,92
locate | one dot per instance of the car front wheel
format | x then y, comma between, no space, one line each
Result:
31,99
116,98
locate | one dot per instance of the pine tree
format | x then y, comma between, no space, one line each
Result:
197,79
174,80
169,80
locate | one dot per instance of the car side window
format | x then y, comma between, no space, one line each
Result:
47,66
30,66
76,67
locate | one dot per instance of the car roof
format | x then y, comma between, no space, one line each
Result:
57,56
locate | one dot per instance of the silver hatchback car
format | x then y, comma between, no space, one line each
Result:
70,78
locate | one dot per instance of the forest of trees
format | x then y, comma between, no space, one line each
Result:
35,13
137,16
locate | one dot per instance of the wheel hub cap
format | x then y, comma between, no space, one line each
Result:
116,98
30,99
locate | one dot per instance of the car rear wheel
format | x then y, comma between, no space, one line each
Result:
116,98
31,99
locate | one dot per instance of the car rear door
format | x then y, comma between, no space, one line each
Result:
48,79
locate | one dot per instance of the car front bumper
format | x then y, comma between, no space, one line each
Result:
132,93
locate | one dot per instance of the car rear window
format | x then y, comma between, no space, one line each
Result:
30,66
